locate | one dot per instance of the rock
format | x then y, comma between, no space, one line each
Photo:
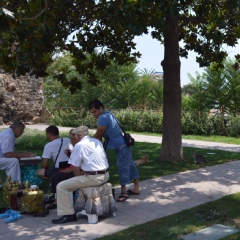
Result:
37,120
11,87
20,98
1,121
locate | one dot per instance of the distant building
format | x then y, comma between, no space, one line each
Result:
158,76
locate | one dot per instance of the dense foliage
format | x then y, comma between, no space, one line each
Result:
33,31
119,87
210,101
217,90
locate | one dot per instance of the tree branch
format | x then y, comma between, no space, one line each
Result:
38,15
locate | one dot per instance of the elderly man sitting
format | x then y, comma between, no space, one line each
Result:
90,168
8,158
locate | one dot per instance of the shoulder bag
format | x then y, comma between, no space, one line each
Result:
129,140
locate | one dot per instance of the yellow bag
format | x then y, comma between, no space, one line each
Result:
20,197
31,200
9,188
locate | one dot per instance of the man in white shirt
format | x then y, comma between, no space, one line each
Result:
64,173
54,150
90,169
8,158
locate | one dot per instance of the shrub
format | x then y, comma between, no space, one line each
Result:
73,118
218,126
194,124
140,121
233,126
151,121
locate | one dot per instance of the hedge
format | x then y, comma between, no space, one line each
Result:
151,121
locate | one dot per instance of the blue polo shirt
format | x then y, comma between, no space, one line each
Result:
113,130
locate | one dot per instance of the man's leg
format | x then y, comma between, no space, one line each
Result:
134,191
134,174
136,188
64,205
127,171
59,177
11,167
41,172
123,166
47,173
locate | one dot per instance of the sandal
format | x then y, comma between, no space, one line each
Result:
130,192
123,197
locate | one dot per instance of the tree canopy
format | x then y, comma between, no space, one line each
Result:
34,31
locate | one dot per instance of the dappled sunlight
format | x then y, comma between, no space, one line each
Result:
160,196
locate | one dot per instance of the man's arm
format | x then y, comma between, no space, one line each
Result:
45,163
100,132
19,154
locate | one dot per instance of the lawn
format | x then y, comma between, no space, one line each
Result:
225,211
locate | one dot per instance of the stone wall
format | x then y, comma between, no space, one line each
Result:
20,98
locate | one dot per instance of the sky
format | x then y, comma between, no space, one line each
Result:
153,52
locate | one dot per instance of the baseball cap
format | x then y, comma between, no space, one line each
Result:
82,131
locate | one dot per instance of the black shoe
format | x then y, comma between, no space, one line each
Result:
65,219
49,201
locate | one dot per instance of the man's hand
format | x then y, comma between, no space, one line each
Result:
30,154
68,152
78,171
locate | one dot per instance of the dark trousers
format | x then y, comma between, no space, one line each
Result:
58,177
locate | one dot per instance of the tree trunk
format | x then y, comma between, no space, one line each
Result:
172,125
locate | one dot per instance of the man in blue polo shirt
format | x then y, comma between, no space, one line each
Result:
108,128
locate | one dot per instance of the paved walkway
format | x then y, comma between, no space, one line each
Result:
160,197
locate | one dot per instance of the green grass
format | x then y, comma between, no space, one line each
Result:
221,139
224,211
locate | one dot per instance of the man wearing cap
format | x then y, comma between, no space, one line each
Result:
90,169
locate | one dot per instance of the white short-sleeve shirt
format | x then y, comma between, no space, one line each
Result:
7,142
51,150
89,155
